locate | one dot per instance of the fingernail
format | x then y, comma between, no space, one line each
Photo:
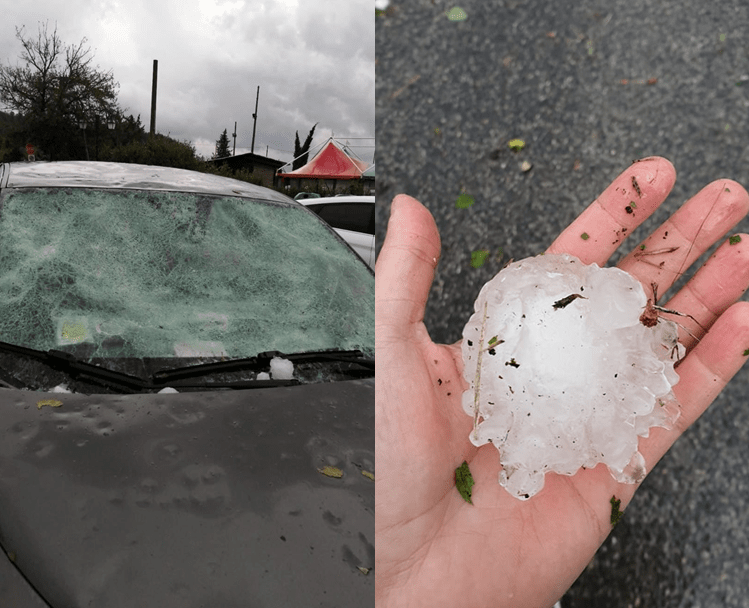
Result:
397,202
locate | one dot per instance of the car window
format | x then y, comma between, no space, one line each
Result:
124,273
358,217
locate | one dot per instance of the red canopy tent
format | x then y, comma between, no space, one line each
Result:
330,163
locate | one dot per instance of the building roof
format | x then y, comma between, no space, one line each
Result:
331,163
247,158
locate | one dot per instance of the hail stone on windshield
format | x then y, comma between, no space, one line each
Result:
281,369
563,374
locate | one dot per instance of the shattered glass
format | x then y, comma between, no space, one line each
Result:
136,273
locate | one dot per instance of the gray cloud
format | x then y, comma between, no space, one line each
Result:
313,61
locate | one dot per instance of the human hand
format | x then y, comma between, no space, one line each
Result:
433,548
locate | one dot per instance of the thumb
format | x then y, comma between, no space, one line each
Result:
405,266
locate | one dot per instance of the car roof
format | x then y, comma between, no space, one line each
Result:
92,174
337,199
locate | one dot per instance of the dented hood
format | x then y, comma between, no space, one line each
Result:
224,498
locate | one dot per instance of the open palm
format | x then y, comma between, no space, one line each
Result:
434,549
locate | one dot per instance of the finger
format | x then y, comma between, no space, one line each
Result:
720,282
681,239
624,205
405,266
703,375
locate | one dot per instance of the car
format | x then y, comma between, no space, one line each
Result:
187,394
353,218
303,195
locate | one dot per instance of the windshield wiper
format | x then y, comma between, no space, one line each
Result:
179,377
261,362
80,370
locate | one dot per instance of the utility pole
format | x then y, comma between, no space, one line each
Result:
254,118
234,135
153,96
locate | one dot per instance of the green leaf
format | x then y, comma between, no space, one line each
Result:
464,481
457,14
331,471
479,257
616,514
492,340
464,201
516,145
732,240
585,236
746,352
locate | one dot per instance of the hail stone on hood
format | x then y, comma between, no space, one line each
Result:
563,374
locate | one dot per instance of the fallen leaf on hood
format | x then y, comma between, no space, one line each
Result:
331,471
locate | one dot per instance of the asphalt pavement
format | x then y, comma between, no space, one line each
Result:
588,87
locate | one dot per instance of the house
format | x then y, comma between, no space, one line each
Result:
260,166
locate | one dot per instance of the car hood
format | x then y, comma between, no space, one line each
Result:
226,498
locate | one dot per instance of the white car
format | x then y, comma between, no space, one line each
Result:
352,217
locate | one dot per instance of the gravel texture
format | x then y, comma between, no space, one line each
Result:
588,86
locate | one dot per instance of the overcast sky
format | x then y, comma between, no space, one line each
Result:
313,60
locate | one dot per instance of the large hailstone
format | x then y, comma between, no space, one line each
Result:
562,372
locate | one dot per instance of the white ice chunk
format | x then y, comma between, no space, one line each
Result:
168,390
281,369
563,374
263,376
61,388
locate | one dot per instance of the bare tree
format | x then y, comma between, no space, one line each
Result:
56,88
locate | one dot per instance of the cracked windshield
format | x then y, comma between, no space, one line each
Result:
105,274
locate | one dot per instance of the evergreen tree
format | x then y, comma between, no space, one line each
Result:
302,152
222,146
